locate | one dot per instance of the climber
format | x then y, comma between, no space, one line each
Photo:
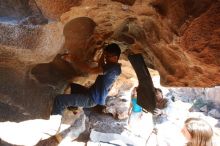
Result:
108,69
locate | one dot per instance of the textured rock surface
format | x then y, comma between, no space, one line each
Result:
179,38
7,8
54,9
162,35
23,49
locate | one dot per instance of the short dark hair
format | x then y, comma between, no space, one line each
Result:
114,49
158,89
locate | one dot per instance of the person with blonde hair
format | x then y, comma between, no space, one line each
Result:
197,132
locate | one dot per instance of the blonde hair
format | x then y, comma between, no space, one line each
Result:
200,132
